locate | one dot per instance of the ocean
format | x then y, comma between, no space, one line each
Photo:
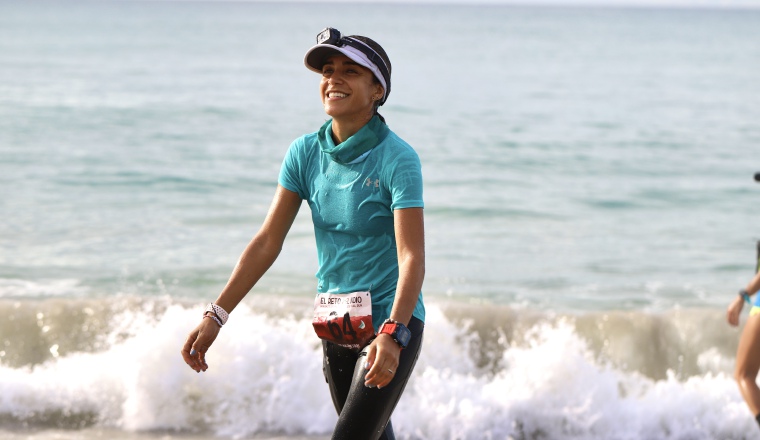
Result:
590,213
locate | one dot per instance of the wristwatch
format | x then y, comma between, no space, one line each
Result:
398,332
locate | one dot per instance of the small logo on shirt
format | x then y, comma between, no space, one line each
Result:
370,183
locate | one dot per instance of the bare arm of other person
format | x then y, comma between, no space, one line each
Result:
256,259
384,352
735,308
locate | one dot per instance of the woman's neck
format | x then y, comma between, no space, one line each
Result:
344,128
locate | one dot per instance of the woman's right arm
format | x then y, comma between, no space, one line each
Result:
262,250
256,259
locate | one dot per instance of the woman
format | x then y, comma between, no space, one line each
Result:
748,352
364,187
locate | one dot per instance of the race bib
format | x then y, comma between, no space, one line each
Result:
344,318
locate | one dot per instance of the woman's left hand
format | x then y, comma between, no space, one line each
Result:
382,361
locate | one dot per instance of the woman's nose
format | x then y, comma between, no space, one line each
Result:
335,78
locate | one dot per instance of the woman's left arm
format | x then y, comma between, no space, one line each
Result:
383,355
410,243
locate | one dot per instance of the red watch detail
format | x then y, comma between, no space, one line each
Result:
388,328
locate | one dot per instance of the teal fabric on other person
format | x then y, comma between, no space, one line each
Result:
352,208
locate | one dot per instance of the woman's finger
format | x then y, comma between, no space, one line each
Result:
197,344
189,354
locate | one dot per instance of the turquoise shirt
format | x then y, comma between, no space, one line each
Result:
352,190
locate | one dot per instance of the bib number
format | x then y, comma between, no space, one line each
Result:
344,318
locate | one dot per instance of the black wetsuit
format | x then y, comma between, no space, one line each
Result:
364,413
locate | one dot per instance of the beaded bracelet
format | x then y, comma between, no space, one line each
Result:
218,322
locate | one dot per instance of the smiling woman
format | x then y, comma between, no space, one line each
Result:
364,187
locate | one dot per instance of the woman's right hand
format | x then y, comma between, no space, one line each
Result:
197,344
734,310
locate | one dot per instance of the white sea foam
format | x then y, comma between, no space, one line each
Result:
554,388
23,288
265,377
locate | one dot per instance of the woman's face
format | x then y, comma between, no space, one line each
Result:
347,88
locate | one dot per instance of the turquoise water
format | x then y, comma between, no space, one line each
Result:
589,198
580,159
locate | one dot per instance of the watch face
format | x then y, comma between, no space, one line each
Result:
398,332
403,335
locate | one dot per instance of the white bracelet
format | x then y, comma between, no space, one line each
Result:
218,311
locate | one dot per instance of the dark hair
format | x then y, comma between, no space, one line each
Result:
380,51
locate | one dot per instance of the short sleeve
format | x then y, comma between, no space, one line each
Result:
291,175
406,181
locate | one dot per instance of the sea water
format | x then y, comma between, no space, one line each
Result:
590,212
